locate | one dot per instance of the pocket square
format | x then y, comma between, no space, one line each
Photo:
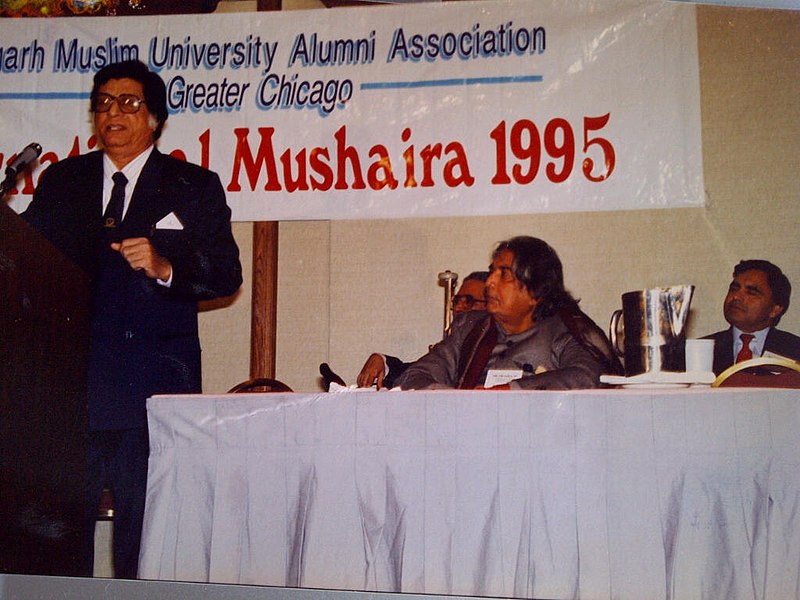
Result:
171,221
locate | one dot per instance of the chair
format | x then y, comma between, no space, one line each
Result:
260,384
764,371
328,376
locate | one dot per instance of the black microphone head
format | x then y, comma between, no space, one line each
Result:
29,154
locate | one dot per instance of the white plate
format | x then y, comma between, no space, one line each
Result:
654,386
660,380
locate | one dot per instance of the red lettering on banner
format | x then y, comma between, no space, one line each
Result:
76,148
205,148
380,173
316,169
525,143
459,161
520,152
298,183
408,156
252,166
343,153
321,168
428,154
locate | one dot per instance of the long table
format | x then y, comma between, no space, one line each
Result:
646,493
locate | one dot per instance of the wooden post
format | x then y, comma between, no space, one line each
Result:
263,321
264,314
268,5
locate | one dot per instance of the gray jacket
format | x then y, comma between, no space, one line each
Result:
550,357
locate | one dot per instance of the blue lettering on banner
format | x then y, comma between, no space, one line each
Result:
205,97
326,53
291,92
251,52
70,56
504,40
14,59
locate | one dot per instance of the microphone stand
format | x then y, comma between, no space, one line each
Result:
448,280
8,184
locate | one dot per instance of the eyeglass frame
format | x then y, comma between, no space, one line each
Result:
468,299
122,107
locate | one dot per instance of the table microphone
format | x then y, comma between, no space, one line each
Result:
30,153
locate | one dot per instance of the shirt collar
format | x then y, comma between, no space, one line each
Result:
132,169
757,343
759,336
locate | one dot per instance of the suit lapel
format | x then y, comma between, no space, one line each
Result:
94,181
723,351
771,343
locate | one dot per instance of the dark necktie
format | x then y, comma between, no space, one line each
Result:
113,214
745,353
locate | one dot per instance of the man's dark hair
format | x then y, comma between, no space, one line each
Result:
155,91
477,276
537,266
777,281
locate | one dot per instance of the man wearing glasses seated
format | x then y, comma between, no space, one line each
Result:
154,234
382,371
531,336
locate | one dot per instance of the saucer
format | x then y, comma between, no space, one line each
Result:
654,386
661,379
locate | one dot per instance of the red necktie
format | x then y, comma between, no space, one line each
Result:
745,353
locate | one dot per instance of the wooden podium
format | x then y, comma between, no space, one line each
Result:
44,333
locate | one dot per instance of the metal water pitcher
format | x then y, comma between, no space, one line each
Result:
654,329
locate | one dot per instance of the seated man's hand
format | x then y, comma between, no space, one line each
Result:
373,371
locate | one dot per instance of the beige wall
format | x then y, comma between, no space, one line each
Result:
347,288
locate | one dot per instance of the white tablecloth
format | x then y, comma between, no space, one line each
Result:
672,494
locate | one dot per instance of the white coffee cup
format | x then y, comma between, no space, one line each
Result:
699,356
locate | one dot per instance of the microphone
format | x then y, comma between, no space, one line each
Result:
23,159
29,154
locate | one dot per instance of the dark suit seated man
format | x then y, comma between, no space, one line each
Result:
154,234
521,341
383,370
757,298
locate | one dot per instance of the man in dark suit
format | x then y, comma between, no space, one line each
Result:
154,234
756,300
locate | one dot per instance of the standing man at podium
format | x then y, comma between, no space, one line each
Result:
154,234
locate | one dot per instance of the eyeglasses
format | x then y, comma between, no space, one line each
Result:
128,103
467,300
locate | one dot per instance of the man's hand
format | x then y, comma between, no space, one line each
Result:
141,256
373,371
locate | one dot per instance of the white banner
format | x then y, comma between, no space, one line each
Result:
467,108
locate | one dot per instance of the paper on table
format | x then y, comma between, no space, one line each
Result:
335,388
501,376
666,377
